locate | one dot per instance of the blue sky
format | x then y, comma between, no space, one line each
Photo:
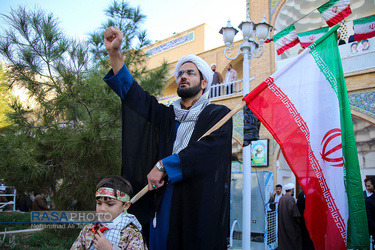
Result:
79,17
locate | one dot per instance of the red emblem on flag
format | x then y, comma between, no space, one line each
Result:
332,148
372,26
334,9
284,40
312,38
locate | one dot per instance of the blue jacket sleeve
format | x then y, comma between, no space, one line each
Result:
121,82
172,166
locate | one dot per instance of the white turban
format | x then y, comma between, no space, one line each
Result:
201,65
289,186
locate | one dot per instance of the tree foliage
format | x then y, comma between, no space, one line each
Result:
4,98
129,20
68,135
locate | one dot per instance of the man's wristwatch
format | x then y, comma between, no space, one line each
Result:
160,167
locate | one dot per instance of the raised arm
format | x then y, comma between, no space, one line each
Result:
112,42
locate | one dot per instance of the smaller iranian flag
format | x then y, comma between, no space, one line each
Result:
335,11
364,28
286,39
307,38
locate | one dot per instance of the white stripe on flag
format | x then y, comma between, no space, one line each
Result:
335,11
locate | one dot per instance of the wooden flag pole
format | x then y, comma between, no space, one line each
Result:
220,123
139,194
224,119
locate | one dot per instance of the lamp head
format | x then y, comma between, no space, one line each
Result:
247,28
262,30
228,33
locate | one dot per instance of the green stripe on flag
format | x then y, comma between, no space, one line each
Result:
325,70
357,231
368,19
326,6
284,32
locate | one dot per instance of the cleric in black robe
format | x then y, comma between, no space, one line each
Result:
189,209
289,219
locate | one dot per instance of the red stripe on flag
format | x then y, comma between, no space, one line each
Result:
305,45
323,220
359,37
339,17
288,46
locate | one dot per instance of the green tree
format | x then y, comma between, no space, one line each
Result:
67,138
69,135
4,100
129,20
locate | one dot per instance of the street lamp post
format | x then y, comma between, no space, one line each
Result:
250,49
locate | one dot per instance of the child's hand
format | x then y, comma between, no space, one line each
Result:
101,242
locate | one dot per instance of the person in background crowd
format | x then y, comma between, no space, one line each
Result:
32,196
25,204
230,77
289,221
340,41
351,39
370,204
216,79
40,202
276,197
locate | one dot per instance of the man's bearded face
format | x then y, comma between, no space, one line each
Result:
189,81
278,190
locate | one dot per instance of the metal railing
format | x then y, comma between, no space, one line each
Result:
226,89
216,91
11,192
358,62
351,61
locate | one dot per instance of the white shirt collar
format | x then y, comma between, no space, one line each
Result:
112,224
368,193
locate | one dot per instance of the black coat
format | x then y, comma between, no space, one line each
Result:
199,216
370,209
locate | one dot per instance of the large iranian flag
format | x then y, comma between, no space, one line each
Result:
364,28
285,39
305,106
335,11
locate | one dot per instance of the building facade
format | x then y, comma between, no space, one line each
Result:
359,70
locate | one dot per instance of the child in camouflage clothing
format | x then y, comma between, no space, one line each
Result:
117,229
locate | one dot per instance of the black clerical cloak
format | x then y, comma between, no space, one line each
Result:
199,217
